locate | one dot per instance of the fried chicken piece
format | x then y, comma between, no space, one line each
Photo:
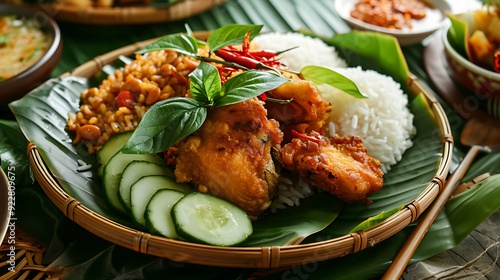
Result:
340,166
230,156
308,111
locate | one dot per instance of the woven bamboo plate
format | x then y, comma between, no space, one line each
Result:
128,15
250,257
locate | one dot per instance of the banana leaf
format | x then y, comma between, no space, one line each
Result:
82,255
12,156
83,43
43,113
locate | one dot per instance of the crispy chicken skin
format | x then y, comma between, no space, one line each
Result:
308,111
340,166
230,156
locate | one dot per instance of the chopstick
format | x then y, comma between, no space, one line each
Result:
406,252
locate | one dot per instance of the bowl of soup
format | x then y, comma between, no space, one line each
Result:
30,48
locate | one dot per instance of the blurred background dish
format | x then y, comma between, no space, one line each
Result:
482,83
25,33
425,21
121,12
476,79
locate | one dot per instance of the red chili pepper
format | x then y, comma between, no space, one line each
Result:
496,61
305,136
125,99
263,97
244,61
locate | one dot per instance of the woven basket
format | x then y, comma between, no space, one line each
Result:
127,15
28,255
252,257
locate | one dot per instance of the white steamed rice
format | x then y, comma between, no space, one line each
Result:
382,120
309,51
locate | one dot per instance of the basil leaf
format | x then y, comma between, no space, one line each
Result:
205,84
232,34
248,85
165,123
179,42
321,75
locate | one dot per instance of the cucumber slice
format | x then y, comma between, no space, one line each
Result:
135,170
110,148
143,190
112,175
208,219
157,215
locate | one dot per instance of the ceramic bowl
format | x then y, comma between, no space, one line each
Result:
434,20
20,84
481,82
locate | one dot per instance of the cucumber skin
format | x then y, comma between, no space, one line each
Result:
179,228
112,175
150,224
153,169
110,148
165,182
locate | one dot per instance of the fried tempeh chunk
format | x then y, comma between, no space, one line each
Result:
230,156
340,166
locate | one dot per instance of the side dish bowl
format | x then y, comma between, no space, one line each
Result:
482,84
435,19
17,86
478,80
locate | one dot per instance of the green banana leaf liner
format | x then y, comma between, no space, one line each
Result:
43,113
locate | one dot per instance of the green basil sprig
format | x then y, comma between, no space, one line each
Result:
170,120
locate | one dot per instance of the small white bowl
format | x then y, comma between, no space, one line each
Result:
434,20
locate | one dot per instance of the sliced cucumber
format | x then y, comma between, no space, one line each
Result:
110,148
208,219
157,215
143,190
112,175
133,172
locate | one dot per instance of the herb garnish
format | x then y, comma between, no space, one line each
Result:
168,121
172,119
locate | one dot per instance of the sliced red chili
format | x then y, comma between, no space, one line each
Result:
125,99
305,136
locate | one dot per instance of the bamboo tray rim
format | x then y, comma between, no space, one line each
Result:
127,14
247,257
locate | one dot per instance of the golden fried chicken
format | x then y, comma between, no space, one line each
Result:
230,156
340,166
308,111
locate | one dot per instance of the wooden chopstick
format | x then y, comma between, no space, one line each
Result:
406,252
